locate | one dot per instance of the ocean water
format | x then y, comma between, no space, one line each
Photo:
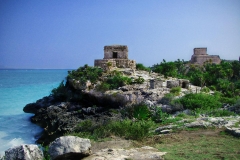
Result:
18,88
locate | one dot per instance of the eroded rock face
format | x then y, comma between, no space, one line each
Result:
69,147
41,103
24,152
55,120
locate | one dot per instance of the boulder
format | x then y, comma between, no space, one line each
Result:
24,152
69,147
164,128
234,131
79,85
198,124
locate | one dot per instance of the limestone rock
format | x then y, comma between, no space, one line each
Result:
24,152
143,153
169,127
198,123
69,147
77,84
234,131
166,131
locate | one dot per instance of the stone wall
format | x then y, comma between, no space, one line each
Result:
200,56
116,52
200,51
120,63
117,55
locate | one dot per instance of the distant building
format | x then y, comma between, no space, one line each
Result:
117,55
200,56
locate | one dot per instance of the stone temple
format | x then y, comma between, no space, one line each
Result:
117,55
200,56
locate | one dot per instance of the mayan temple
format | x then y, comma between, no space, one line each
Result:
200,56
117,55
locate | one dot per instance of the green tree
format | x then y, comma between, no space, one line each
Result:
168,69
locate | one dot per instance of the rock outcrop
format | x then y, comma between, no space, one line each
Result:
69,147
24,152
57,118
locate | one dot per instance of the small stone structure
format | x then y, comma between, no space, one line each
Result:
183,83
117,55
200,56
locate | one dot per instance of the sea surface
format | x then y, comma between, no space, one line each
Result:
18,88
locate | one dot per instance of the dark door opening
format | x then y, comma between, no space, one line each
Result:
183,85
115,55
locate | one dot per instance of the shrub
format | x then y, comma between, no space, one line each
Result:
140,66
159,115
167,99
221,113
118,81
103,86
138,111
199,101
205,89
227,100
141,112
126,128
175,91
139,80
129,129
86,73
60,93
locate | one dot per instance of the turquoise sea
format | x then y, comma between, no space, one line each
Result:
18,88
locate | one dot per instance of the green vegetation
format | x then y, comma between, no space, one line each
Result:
140,66
45,152
141,112
118,81
60,93
168,69
175,91
160,116
205,89
139,80
138,120
86,73
199,101
126,128
223,77
208,144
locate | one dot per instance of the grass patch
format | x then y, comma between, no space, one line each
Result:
135,130
201,144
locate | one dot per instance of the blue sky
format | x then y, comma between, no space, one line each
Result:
71,33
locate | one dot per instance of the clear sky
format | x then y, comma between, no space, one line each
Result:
71,33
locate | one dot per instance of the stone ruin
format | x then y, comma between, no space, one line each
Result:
200,56
183,83
117,55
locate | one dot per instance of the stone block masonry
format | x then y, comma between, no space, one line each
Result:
200,56
117,55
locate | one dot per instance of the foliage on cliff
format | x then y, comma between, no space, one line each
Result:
223,77
140,66
86,73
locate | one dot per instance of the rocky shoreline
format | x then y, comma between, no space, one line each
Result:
57,117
